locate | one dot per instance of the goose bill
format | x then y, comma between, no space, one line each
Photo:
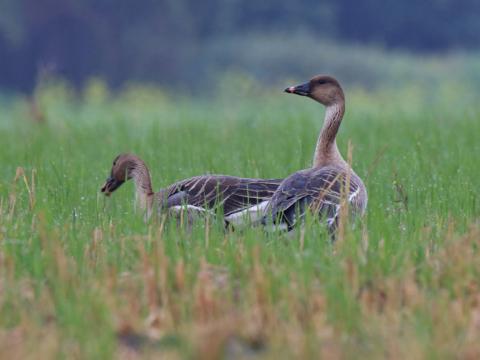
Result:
111,185
302,90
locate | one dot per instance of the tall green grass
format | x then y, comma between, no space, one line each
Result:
83,276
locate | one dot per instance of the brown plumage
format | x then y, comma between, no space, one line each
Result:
319,188
202,193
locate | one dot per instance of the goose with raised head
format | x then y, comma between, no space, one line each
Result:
321,187
241,199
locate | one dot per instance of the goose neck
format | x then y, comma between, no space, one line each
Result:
326,151
143,186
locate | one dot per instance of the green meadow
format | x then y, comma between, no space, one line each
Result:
83,276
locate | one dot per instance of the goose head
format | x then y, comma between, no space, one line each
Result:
122,169
322,88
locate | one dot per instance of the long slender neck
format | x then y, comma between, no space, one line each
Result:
143,185
326,151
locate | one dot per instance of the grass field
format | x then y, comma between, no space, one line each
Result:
82,276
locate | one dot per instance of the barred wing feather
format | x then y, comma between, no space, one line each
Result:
232,194
319,190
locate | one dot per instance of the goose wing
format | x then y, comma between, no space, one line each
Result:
210,191
248,192
317,189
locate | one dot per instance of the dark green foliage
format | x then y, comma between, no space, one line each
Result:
172,42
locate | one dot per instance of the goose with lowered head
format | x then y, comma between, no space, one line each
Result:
319,188
241,199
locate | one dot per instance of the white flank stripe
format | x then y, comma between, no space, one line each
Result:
354,194
249,215
179,208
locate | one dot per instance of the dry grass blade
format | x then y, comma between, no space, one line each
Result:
401,193
344,196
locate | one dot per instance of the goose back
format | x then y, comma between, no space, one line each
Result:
231,194
317,189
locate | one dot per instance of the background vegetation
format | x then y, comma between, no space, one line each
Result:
185,44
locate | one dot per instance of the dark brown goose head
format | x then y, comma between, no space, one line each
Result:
322,88
122,169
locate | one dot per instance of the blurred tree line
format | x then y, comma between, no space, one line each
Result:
177,41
